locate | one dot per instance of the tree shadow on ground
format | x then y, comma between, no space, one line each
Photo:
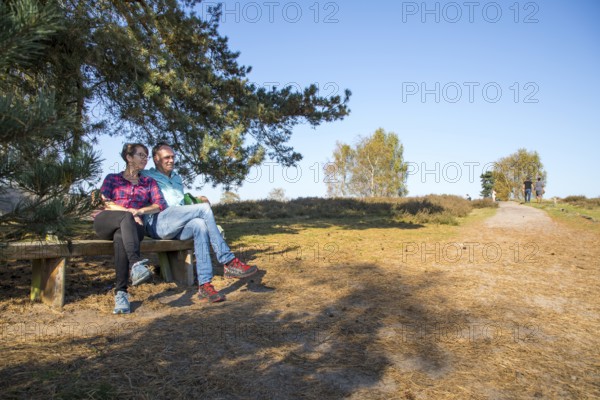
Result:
85,276
232,350
15,280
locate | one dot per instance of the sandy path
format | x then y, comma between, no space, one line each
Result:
514,215
539,275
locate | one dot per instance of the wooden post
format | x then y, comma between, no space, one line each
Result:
48,281
182,266
165,266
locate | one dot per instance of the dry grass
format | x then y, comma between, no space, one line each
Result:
352,307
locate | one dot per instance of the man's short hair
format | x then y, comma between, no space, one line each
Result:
156,148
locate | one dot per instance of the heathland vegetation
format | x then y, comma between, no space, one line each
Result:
436,209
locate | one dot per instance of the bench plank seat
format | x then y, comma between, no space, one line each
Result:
50,261
36,250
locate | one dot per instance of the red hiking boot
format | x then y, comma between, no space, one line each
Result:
207,292
237,269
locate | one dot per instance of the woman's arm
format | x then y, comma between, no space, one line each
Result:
106,194
151,209
115,207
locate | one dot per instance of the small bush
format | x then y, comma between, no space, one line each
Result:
574,199
437,209
484,203
583,201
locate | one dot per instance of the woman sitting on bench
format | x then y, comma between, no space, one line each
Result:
126,197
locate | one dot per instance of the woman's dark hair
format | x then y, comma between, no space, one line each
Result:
129,149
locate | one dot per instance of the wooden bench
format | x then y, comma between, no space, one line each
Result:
50,261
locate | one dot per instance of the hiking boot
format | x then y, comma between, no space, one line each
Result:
139,273
207,292
237,269
121,303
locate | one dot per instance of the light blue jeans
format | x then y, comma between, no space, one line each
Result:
195,221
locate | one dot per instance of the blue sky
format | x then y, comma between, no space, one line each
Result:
442,75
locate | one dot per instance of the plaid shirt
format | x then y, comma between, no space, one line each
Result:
119,190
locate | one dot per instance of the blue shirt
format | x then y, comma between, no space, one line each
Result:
171,187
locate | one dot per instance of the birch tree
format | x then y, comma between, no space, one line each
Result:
374,168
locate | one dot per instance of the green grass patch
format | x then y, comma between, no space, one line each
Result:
580,214
478,215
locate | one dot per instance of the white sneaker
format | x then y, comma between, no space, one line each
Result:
139,273
121,303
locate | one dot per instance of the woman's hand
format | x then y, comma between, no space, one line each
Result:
114,207
137,215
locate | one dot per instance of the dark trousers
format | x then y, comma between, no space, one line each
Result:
126,234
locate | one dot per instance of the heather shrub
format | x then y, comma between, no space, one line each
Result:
484,203
583,201
439,209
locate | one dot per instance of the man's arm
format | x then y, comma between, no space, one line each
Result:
203,199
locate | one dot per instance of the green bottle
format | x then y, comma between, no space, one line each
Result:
189,199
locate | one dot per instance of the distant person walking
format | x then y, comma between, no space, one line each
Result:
493,195
527,186
539,190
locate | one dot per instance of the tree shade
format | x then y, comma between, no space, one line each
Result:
145,70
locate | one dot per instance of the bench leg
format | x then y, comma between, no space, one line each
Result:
165,267
182,266
48,281
177,266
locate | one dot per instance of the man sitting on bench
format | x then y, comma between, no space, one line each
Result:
185,222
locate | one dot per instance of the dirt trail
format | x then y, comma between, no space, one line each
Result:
538,274
514,215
